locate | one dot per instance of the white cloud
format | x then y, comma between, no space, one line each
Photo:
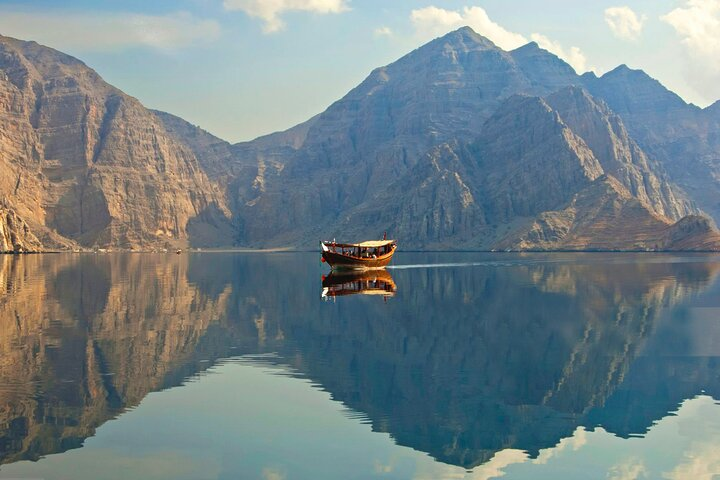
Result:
383,32
697,421
573,55
631,468
270,10
498,463
108,31
432,22
572,443
624,22
697,24
701,462
492,469
271,473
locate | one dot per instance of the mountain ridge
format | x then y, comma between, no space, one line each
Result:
89,162
409,137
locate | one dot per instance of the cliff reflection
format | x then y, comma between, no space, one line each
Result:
463,363
83,337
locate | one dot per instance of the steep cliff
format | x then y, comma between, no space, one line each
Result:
529,181
620,156
682,137
90,163
15,235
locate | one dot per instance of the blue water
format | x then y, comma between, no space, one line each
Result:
448,366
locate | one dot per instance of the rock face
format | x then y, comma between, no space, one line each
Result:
620,156
683,137
436,150
457,144
605,216
90,163
15,235
530,182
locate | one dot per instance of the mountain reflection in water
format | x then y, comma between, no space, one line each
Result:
463,363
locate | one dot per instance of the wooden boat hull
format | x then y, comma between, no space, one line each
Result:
339,261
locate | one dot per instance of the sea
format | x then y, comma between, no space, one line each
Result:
222,365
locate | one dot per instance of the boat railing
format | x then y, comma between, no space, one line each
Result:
356,250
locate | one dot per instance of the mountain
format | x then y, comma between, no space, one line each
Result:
458,144
396,155
713,112
87,162
380,130
620,156
683,137
530,182
434,149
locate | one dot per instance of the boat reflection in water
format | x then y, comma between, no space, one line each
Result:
369,282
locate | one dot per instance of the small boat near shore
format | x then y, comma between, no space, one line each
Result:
368,255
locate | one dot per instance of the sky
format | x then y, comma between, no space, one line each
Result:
245,68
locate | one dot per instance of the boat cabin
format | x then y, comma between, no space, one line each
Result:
369,249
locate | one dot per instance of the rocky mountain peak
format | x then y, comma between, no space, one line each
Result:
465,38
462,46
576,105
621,69
529,47
545,70
533,49
605,133
631,91
44,61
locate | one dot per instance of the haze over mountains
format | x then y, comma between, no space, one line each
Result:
458,144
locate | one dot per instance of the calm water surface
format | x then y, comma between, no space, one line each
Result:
254,366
